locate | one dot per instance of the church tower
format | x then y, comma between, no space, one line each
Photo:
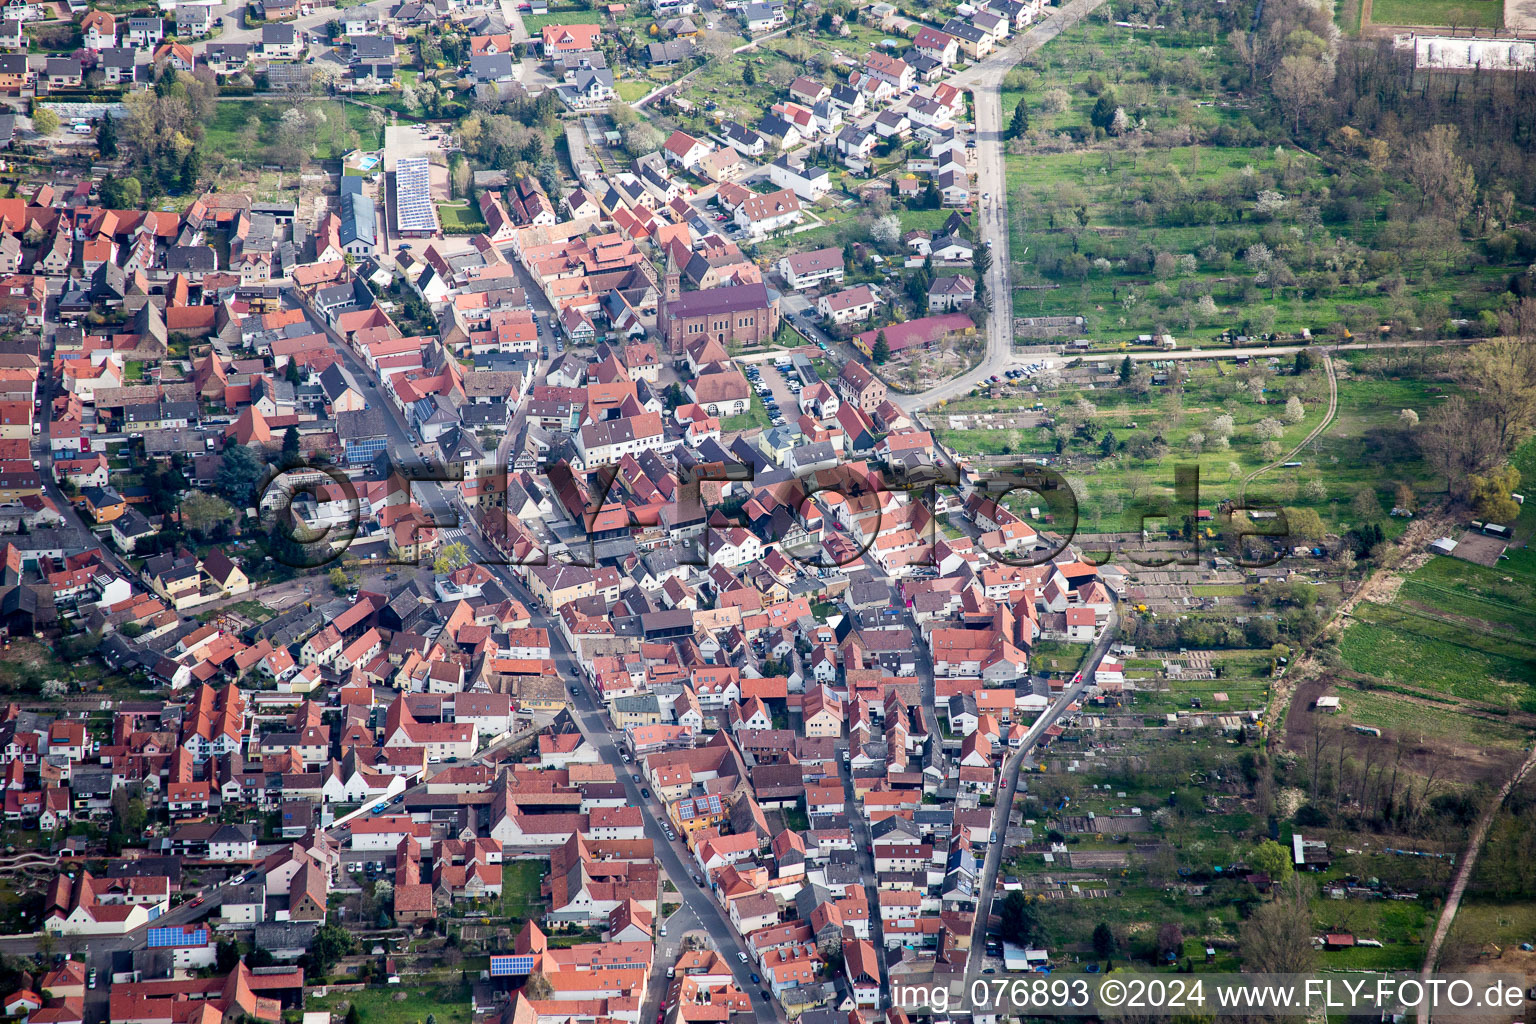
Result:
671,292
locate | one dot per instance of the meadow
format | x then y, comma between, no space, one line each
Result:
1487,14
1454,628
1174,425
230,131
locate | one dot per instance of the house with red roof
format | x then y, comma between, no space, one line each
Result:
557,39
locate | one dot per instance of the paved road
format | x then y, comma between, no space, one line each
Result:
673,856
985,81
1009,785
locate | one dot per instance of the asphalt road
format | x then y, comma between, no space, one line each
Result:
1009,785
985,80
674,856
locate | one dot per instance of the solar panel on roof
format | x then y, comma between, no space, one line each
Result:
413,195
175,936
510,965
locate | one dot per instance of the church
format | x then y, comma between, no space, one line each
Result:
737,314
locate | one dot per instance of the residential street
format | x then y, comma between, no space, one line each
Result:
673,856
1009,781
985,81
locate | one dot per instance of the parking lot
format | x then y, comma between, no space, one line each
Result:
1018,374
779,389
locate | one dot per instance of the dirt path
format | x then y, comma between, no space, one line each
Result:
1380,586
1469,861
1333,408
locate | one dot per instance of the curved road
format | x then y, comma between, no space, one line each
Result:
1333,408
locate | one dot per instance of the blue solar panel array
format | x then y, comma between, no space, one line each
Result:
162,937
508,966
413,195
698,805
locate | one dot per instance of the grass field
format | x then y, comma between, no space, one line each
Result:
1457,628
231,133
401,1004
535,22
1458,13
632,89
460,216
520,881
1401,714
1055,656
1504,923
1080,217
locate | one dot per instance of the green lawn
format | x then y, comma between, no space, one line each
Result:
756,416
632,89
1056,656
1457,628
520,881
250,609
460,216
401,1004
534,23
1460,13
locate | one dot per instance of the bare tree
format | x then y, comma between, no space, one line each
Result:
1458,439
1300,83
1277,939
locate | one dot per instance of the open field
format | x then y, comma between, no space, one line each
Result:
1164,427
535,23
248,131
1440,13
1433,721
1088,215
1454,628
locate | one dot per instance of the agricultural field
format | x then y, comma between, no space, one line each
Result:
1158,428
1456,629
1461,14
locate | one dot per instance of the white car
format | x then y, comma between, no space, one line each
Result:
741,956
